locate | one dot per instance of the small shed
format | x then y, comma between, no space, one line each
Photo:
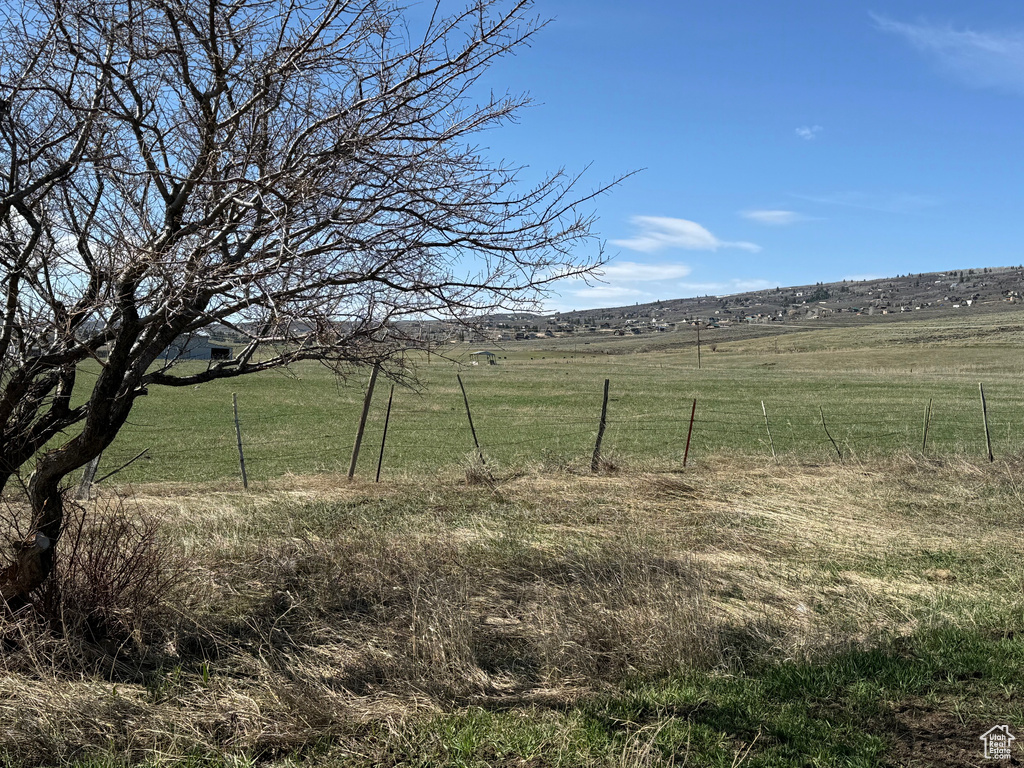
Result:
197,347
491,357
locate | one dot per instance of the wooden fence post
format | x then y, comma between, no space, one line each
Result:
698,345
469,415
595,461
927,422
825,427
984,419
88,475
362,420
769,430
689,433
238,437
384,437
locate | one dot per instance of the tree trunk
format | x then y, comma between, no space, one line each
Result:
111,402
34,555
33,562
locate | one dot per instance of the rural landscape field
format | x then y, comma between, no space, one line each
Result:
511,383
856,600
541,402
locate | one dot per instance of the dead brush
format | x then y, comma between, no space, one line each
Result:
624,608
111,590
553,462
440,642
387,612
397,611
478,473
667,486
115,577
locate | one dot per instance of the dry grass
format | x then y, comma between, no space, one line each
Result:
315,609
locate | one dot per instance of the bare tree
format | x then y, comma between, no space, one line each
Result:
300,171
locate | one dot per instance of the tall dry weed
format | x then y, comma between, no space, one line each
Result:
111,592
624,609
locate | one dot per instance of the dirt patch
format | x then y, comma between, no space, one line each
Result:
927,736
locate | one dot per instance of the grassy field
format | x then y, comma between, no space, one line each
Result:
741,614
805,612
541,404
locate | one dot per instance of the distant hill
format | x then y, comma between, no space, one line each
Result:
910,296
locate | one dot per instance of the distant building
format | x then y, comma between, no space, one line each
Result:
197,347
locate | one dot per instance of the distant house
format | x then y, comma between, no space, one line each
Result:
197,347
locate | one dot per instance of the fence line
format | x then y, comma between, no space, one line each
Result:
433,438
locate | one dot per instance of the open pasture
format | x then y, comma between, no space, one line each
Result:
742,612
540,405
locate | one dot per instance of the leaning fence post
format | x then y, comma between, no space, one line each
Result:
384,437
85,487
469,415
927,421
689,432
595,461
362,420
825,427
238,437
769,431
984,419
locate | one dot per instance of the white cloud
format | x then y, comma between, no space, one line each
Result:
659,232
631,270
979,59
809,132
625,292
622,282
773,218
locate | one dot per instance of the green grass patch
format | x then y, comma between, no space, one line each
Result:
853,709
540,406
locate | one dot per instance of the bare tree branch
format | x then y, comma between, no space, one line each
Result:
293,169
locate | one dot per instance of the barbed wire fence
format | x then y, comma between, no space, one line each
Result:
428,437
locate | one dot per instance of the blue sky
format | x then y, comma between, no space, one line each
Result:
782,142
